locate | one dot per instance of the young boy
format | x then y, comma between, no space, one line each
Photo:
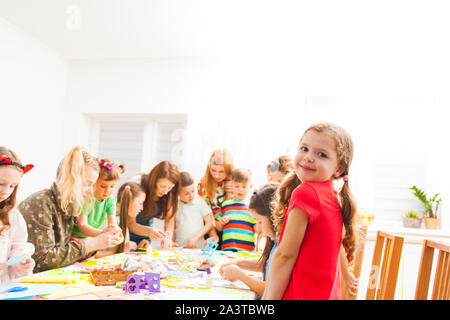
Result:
235,219
194,218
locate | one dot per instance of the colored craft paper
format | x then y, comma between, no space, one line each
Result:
33,289
71,290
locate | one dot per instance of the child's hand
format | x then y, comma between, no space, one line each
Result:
166,243
224,220
131,246
24,267
191,243
228,186
113,228
351,282
232,273
222,266
143,244
155,234
214,238
108,240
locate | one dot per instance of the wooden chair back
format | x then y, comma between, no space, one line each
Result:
384,269
441,285
356,264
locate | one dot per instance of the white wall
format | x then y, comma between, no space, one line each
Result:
33,83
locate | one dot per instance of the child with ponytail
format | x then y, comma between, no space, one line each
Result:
130,198
93,218
305,265
13,230
261,203
50,214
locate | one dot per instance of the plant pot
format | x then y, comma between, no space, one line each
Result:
409,222
431,223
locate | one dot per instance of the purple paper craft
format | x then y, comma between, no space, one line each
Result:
133,284
153,281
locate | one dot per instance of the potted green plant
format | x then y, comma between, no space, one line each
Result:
431,206
412,219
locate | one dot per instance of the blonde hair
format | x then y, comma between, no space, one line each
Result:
70,176
344,151
218,157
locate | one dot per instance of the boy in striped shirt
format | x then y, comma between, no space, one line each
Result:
234,218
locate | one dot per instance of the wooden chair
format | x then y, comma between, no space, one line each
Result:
385,264
355,266
441,286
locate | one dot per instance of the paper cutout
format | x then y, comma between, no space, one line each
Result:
14,260
209,249
149,281
132,285
153,281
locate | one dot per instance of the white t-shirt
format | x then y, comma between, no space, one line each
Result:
189,221
14,242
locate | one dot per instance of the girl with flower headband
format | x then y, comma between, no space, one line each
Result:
92,220
13,230
307,262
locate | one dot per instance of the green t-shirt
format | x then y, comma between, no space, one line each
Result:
96,217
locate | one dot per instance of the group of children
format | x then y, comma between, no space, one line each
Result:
298,212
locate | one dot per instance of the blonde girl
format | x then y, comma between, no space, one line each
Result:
50,214
306,262
13,231
90,222
215,186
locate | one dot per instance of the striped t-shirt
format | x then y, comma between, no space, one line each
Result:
238,233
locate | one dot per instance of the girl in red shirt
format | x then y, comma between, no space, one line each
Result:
306,262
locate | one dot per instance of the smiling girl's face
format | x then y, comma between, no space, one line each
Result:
316,158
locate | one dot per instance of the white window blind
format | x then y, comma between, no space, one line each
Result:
138,141
122,141
170,137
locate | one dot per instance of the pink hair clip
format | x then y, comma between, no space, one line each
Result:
106,165
345,178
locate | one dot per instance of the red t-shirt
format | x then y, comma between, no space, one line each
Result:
315,275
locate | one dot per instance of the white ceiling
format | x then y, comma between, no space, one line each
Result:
127,28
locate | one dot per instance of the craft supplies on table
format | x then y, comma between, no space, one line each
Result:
173,274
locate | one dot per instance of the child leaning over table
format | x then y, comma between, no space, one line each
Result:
91,221
194,218
235,219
